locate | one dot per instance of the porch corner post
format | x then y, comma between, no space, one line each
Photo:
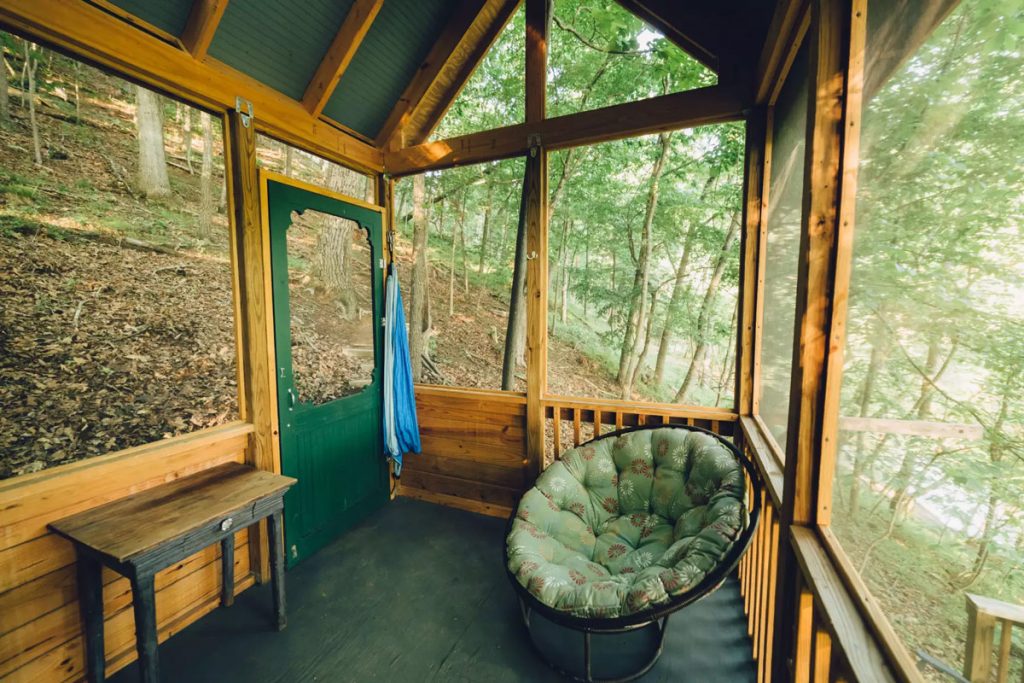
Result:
257,383
828,39
750,244
538,17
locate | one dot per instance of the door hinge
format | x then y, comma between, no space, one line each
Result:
244,107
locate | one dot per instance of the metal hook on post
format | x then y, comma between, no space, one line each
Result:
244,107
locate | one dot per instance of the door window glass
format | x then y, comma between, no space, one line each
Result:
330,290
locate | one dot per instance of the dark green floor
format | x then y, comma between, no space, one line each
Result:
418,593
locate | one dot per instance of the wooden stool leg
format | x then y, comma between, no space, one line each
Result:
144,605
90,602
227,572
275,537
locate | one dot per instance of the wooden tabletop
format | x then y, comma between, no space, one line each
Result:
146,520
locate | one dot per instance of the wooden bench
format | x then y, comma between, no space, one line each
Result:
139,535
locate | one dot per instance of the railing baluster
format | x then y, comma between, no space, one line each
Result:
557,432
822,654
597,422
1005,641
576,426
618,420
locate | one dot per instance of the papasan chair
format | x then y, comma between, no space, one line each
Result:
621,532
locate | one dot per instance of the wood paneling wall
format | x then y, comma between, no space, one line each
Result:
40,631
474,449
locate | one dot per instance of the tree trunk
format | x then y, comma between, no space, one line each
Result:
187,136
648,335
996,451
152,177
462,244
586,274
418,306
908,465
31,65
451,271
486,230
566,269
637,322
879,355
334,250
706,310
674,302
287,159
5,104
78,95
206,177
515,335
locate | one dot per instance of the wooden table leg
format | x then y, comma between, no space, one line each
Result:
227,572
275,537
144,605
90,602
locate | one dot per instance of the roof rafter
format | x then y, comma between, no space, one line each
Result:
203,20
687,28
449,64
687,109
108,41
339,55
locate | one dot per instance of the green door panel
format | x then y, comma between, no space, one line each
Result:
334,448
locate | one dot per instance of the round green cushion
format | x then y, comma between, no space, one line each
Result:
626,523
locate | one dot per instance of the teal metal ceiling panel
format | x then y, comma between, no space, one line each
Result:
167,15
278,42
386,62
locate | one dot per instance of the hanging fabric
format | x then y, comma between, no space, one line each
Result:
401,428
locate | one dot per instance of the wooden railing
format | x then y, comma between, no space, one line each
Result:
982,615
758,571
581,419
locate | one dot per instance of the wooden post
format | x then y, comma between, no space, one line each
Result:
749,246
251,245
812,342
536,202
981,631
536,307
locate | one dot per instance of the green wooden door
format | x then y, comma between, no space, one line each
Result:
328,304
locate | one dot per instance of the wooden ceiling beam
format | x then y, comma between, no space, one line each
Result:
95,35
445,71
339,55
716,104
203,20
785,34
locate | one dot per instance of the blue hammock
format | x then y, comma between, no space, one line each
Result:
401,430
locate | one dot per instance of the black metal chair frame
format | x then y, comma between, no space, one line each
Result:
591,625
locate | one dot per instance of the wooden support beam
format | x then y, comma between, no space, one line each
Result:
84,30
684,24
785,34
536,306
813,303
457,45
203,21
251,251
339,55
538,16
716,104
753,185
538,24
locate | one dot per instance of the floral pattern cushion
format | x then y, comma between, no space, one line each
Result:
626,523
